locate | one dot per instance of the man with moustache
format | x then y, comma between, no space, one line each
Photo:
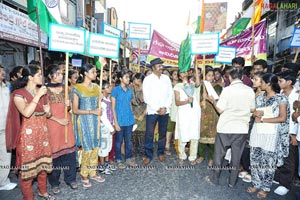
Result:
158,94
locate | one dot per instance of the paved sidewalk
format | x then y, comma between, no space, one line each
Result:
158,181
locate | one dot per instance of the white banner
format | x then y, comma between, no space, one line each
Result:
139,31
66,39
295,41
104,46
110,30
207,43
225,55
17,27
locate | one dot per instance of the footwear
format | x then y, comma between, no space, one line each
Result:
180,162
146,161
199,160
247,178
98,178
262,194
46,196
193,162
121,165
112,167
281,190
168,152
162,158
252,189
243,174
131,163
8,186
210,163
86,183
73,185
56,190
106,171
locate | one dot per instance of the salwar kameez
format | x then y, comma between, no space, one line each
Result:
86,128
268,149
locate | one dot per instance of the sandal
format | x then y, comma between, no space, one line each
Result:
181,161
98,178
168,152
56,190
251,189
46,196
86,183
193,162
73,185
262,194
199,160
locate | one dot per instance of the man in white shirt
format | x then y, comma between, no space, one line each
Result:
5,157
158,94
233,125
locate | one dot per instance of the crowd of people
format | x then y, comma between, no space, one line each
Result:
253,123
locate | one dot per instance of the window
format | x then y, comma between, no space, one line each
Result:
290,17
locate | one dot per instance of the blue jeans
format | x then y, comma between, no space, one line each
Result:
151,121
126,133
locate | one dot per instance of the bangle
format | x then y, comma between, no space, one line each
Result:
261,120
49,115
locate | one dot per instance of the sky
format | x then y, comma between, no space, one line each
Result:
168,17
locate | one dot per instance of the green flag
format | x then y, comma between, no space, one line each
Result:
48,12
240,25
184,57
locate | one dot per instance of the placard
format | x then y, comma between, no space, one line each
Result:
103,45
110,30
139,31
295,41
77,62
207,43
225,55
66,39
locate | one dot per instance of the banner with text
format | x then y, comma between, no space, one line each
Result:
110,30
295,41
207,43
225,55
16,26
139,31
66,39
104,46
243,44
163,48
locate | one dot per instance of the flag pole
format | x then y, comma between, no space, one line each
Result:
66,94
252,37
40,45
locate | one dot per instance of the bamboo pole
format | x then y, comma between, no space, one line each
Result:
110,71
66,94
139,58
99,101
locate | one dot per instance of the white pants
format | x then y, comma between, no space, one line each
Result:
193,150
5,159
